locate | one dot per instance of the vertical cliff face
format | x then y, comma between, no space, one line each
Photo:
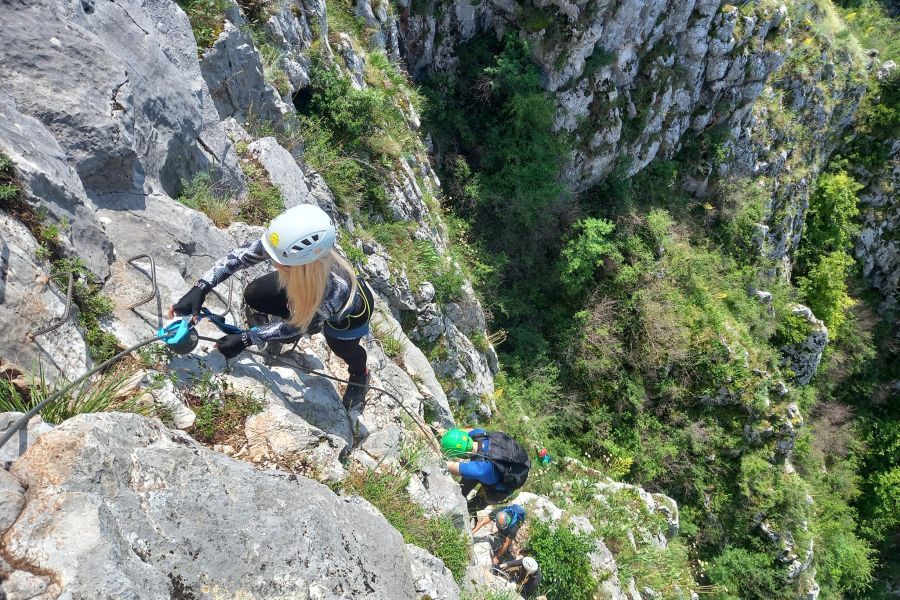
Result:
630,78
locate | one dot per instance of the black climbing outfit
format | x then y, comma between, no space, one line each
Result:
265,295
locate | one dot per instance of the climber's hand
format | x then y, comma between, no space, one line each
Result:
233,344
191,303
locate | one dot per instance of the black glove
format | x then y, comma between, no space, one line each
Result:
233,344
192,302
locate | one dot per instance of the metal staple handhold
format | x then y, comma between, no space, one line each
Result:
154,292
65,315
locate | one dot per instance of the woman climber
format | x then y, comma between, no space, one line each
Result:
312,288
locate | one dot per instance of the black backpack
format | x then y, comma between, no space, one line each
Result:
508,457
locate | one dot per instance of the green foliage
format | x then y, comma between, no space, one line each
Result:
830,224
877,124
563,557
272,71
201,194
493,124
207,19
586,251
871,22
263,201
825,291
92,305
221,412
355,137
739,574
100,395
386,490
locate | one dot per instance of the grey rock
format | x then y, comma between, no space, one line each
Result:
233,71
48,181
433,580
282,436
803,358
29,302
23,439
12,499
313,399
120,129
438,493
167,502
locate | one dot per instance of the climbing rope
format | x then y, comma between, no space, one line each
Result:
426,430
55,396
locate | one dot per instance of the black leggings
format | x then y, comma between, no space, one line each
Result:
266,296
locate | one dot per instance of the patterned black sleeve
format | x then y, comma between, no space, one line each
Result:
247,255
274,332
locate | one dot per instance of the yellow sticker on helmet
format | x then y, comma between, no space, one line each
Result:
273,237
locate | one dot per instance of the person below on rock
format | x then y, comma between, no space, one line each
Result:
312,289
508,520
526,573
495,461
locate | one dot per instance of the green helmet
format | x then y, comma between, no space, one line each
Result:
456,443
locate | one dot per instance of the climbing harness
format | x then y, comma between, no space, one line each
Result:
181,337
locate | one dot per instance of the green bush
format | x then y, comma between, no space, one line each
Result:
207,19
585,252
563,557
436,534
353,137
824,289
221,412
740,574
830,222
100,395
201,194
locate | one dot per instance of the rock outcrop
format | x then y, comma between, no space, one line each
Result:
118,506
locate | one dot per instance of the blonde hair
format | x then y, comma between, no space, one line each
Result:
305,286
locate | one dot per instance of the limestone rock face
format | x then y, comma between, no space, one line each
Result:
433,580
28,303
171,517
675,61
234,73
878,246
23,439
120,129
803,358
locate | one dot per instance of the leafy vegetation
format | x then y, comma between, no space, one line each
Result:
107,393
386,490
221,411
565,566
262,203
207,19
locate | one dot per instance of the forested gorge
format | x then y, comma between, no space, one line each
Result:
652,322
659,239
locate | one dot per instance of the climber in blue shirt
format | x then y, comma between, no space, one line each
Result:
495,461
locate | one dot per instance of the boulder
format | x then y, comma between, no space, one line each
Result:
432,488
23,439
233,70
119,506
290,442
433,580
123,131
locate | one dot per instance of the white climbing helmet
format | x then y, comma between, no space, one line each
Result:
299,235
530,565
